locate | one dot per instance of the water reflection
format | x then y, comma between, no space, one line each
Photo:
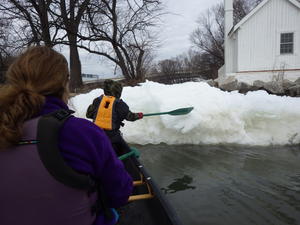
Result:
179,184
222,185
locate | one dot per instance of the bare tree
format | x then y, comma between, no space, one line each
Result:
4,41
115,29
119,31
7,50
31,23
185,67
208,37
48,22
170,66
42,8
71,14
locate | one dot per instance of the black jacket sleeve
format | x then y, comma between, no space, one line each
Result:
132,116
125,113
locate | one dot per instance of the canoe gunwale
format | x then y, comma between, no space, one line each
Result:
157,198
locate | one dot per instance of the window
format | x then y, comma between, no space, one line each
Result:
287,43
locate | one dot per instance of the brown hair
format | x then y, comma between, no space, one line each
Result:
38,72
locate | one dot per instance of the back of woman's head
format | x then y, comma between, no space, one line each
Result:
38,72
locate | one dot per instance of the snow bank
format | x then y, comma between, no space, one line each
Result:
218,117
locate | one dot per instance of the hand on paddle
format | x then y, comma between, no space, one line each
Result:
141,115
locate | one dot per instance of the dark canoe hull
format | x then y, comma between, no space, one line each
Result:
152,211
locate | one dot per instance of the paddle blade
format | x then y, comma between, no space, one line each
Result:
181,111
177,112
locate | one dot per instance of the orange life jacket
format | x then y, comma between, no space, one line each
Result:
104,114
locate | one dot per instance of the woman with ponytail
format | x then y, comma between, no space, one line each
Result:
36,86
37,73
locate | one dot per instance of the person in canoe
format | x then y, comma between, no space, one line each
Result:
55,168
109,111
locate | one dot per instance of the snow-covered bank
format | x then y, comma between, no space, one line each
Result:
256,118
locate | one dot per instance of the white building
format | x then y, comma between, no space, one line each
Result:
265,44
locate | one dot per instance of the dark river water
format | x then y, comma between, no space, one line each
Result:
228,185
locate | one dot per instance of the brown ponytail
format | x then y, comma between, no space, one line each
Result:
38,72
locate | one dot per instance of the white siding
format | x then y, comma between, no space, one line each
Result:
235,60
228,6
259,38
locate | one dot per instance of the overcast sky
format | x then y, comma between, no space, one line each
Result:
174,33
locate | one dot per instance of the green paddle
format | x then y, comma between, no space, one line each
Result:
177,112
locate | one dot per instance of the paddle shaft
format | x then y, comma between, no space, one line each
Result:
156,114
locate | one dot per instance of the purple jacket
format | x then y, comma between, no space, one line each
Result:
30,195
86,148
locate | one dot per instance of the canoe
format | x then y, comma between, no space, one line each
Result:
147,205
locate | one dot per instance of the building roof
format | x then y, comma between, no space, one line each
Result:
257,8
296,3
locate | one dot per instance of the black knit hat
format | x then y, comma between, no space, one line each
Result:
112,88
116,89
107,87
